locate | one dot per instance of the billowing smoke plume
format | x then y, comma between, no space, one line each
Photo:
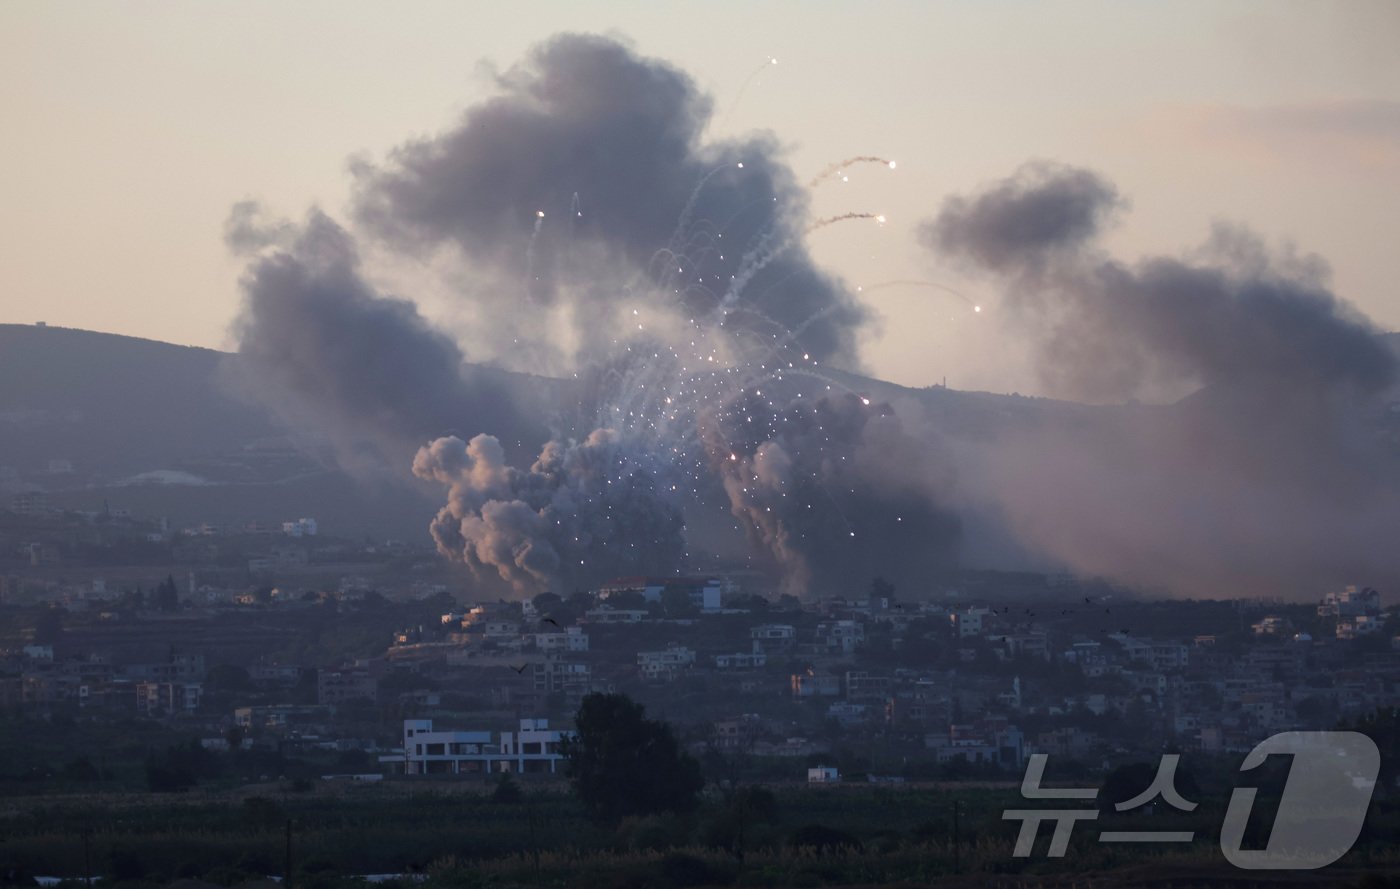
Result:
330,353
586,227
1107,331
583,513
833,490
1271,477
585,189
1022,222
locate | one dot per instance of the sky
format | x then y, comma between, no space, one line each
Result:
131,129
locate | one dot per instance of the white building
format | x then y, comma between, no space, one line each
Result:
553,675
743,660
1350,602
496,630
665,664
606,615
1359,625
841,635
705,593
773,637
823,775
534,748
969,623
574,639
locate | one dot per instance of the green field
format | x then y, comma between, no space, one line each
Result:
457,835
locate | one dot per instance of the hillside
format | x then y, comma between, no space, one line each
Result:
149,426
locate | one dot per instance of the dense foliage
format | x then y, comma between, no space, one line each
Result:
622,763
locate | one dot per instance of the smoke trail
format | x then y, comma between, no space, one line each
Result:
905,282
748,82
832,220
837,167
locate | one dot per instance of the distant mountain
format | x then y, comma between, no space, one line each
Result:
114,405
93,417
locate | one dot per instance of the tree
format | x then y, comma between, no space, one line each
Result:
546,603
233,736
675,603
166,597
622,763
627,600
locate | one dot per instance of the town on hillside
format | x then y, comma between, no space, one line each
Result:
369,658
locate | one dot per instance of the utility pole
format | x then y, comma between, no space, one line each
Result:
87,855
287,863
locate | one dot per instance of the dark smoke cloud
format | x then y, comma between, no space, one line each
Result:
1107,330
330,353
608,145
678,268
581,195
1025,220
583,513
835,491
1276,474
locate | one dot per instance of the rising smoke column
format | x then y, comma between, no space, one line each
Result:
1107,330
580,211
583,513
637,209
328,352
834,490
584,188
1270,477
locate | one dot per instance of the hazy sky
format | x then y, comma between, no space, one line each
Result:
130,129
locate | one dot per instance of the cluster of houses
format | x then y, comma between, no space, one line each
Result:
943,680
171,685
